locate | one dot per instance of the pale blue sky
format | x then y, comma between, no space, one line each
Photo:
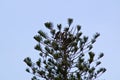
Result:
21,19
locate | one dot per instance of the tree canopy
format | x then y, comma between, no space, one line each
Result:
66,54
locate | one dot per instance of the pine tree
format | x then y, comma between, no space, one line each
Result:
66,54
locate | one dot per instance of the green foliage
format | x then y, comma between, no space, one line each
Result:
48,25
28,62
78,27
42,34
59,26
38,38
38,47
65,55
70,21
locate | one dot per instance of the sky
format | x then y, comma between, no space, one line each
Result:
21,19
